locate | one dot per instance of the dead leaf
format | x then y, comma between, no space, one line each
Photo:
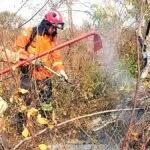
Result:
32,112
43,147
23,91
51,125
41,120
25,132
11,99
135,136
23,107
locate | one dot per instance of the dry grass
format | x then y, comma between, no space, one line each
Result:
90,91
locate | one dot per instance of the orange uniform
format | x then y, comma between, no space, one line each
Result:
37,46
34,42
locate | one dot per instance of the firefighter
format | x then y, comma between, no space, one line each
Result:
33,42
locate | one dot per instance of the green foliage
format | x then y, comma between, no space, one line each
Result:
101,14
136,8
128,51
90,80
122,78
131,63
62,93
133,2
91,90
93,83
97,13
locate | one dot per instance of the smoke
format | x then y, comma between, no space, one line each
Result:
109,58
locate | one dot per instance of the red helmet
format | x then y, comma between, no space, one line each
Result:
55,18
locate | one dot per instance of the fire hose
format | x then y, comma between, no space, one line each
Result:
97,47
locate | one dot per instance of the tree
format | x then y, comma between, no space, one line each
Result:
10,20
69,5
103,17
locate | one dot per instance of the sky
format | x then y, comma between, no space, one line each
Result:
31,7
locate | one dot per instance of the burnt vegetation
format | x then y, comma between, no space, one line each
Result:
91,89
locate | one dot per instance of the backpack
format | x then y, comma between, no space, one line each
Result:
32,36
25,69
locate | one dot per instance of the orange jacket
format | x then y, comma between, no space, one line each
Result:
38,45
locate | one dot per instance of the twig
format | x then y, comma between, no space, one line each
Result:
112,140
145,144
28,138
34,15
134,100
71,120
29,125
93,114
87,134
21,7
143,147
103,126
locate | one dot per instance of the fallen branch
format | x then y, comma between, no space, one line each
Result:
93,140
103,126
71,120
93,114
28,138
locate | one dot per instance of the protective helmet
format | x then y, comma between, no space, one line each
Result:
55,18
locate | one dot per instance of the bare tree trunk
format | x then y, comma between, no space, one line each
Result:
70,20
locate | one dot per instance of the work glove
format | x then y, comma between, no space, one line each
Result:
63,75
37,62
